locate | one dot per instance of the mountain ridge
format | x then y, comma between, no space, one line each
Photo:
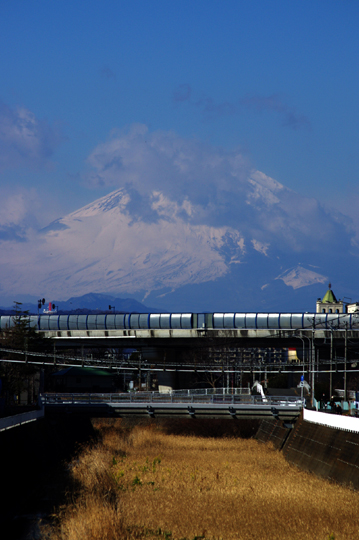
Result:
179,256
89,302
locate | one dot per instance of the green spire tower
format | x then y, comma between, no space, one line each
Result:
329,303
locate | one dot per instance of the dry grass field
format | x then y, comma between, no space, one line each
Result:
143,482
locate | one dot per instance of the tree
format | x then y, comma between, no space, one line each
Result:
16,373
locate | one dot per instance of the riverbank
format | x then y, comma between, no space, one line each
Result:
149,481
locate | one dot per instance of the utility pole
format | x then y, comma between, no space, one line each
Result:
148,379
26,348
312,361
265,378
345,361
139,372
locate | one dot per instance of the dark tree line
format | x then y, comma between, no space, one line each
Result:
18,378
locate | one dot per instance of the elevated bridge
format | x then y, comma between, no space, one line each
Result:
194,341
155,405
181,329
188,330
255,337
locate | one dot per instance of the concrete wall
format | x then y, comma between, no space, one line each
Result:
328,452
273,431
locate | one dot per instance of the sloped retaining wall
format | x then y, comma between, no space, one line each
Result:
329,452
273,431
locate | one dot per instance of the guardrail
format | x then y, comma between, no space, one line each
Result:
19,419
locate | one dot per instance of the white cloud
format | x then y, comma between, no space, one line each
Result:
18,211
183,212
347,204
14,208
260,247
209,185
164,162
24,139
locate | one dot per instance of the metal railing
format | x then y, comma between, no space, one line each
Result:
209,391
157,398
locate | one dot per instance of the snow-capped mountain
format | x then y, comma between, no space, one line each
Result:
276,251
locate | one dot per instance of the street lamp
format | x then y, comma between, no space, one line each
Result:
345,361
303,348
312,354
331,362
309,360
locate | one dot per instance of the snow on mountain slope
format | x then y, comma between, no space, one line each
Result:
99,248
124,244
301,277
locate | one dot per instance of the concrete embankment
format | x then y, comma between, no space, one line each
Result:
329,452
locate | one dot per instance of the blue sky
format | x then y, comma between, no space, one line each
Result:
276,81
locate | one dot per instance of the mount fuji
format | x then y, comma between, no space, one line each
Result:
273,250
